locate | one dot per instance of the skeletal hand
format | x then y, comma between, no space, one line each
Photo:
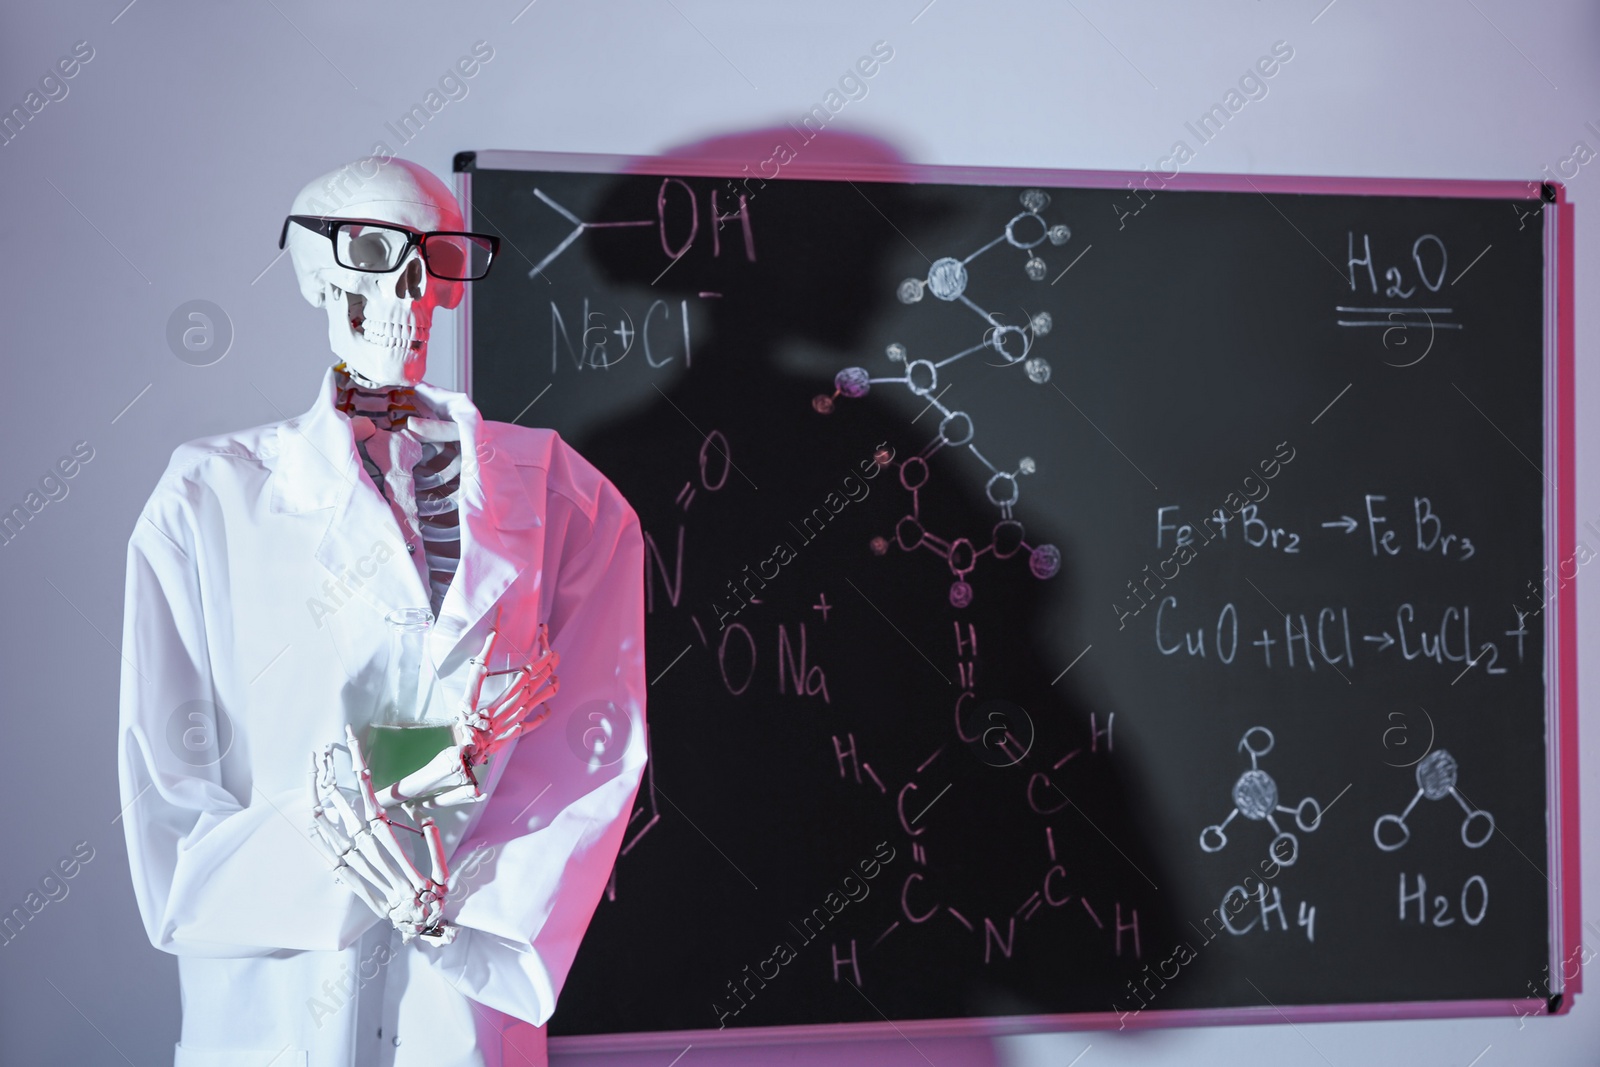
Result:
452,777
367,855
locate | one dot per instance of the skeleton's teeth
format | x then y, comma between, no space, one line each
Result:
391,334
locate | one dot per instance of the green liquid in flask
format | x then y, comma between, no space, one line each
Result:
395,751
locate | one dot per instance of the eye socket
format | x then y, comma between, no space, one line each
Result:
378,249
446,257
370,248
458,256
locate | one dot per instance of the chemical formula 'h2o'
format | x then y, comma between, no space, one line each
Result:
1255,796
947,280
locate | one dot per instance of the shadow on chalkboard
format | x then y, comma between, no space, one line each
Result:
823,306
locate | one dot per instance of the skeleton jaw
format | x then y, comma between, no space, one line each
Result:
378,352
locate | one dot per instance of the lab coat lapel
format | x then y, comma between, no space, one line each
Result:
501,529
360,546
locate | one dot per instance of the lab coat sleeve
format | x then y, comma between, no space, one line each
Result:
219,869
544,849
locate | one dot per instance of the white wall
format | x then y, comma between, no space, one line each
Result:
163,175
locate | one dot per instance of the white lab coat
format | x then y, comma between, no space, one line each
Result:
258,577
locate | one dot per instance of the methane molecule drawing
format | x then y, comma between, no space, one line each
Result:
947,280
1255,796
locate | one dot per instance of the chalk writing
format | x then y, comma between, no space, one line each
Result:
1436,779
672,248
1255,796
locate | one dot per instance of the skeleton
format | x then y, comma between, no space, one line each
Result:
379,318
378,325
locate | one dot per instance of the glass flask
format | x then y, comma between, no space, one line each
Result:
406,732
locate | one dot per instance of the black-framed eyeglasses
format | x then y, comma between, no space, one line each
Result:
378,248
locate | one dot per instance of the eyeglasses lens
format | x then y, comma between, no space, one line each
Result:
370,248
457,256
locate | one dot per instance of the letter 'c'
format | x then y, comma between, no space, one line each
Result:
900,805
1226,919
1048,899
1034,804
905,905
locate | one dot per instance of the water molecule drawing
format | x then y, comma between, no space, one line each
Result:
947,280
1436,779
1255,796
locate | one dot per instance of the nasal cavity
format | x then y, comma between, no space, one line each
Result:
408,286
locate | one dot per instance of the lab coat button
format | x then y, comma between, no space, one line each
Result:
411,546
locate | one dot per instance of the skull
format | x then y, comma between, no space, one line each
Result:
377,323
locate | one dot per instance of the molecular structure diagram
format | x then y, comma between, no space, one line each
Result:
1005,540
1436,779
1255,796
947,280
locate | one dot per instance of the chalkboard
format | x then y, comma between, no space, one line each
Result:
1073,598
